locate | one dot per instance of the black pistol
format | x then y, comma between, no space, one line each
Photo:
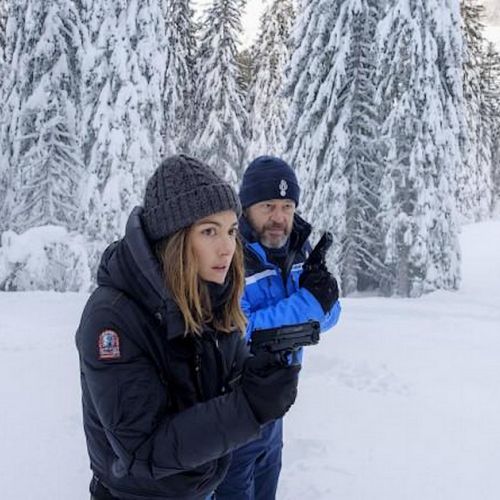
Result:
285,340
317,257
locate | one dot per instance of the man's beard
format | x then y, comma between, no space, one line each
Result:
274,241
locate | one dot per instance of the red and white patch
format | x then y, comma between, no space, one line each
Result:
108,345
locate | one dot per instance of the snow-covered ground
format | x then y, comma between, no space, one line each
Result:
401,401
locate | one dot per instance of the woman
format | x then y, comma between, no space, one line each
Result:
168,387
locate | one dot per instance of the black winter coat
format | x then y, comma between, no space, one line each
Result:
160,412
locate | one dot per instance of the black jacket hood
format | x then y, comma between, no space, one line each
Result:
129,265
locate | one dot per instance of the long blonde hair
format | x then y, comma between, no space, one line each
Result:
191,293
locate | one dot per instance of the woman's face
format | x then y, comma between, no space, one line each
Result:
213,241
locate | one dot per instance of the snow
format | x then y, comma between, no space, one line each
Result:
44,258
399,401
493,35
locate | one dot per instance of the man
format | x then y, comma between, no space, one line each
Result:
276,293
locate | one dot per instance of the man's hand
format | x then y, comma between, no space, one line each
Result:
317,258
322,285
269,386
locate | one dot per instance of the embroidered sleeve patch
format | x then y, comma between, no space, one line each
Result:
108,345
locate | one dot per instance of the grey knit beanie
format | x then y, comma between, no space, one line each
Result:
181,191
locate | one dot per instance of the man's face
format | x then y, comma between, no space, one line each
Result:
272,220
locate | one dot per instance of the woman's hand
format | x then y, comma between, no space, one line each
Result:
269,386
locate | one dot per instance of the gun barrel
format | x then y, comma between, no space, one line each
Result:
318,253
288,337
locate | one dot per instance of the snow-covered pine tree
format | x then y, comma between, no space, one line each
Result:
39,136
149,43
332,132
178,100
245,62
474,183
3,23
3,162
9,103
124,74
315,133
361,258
266,103
420,92
490,86
220,110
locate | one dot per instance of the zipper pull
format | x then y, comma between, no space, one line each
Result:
197,363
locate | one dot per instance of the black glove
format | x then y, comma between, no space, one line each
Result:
269,386
322,285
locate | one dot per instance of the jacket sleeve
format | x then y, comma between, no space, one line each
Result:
131,404
299,307
331,318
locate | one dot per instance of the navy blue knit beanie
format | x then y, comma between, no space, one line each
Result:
268,178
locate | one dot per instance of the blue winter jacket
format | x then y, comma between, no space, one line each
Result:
271,299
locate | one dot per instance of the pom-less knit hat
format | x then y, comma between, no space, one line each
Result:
181,191
268,178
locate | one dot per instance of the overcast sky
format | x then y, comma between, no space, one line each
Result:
492,12
250,19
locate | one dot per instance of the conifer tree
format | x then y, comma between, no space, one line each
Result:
124,75
178,92
361,256
8,104
3,23
3,160
331,132
490,85
474,182
312,86
39,138
245,59
420,92
266,103
221,115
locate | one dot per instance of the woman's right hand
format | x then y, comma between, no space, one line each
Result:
269,386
